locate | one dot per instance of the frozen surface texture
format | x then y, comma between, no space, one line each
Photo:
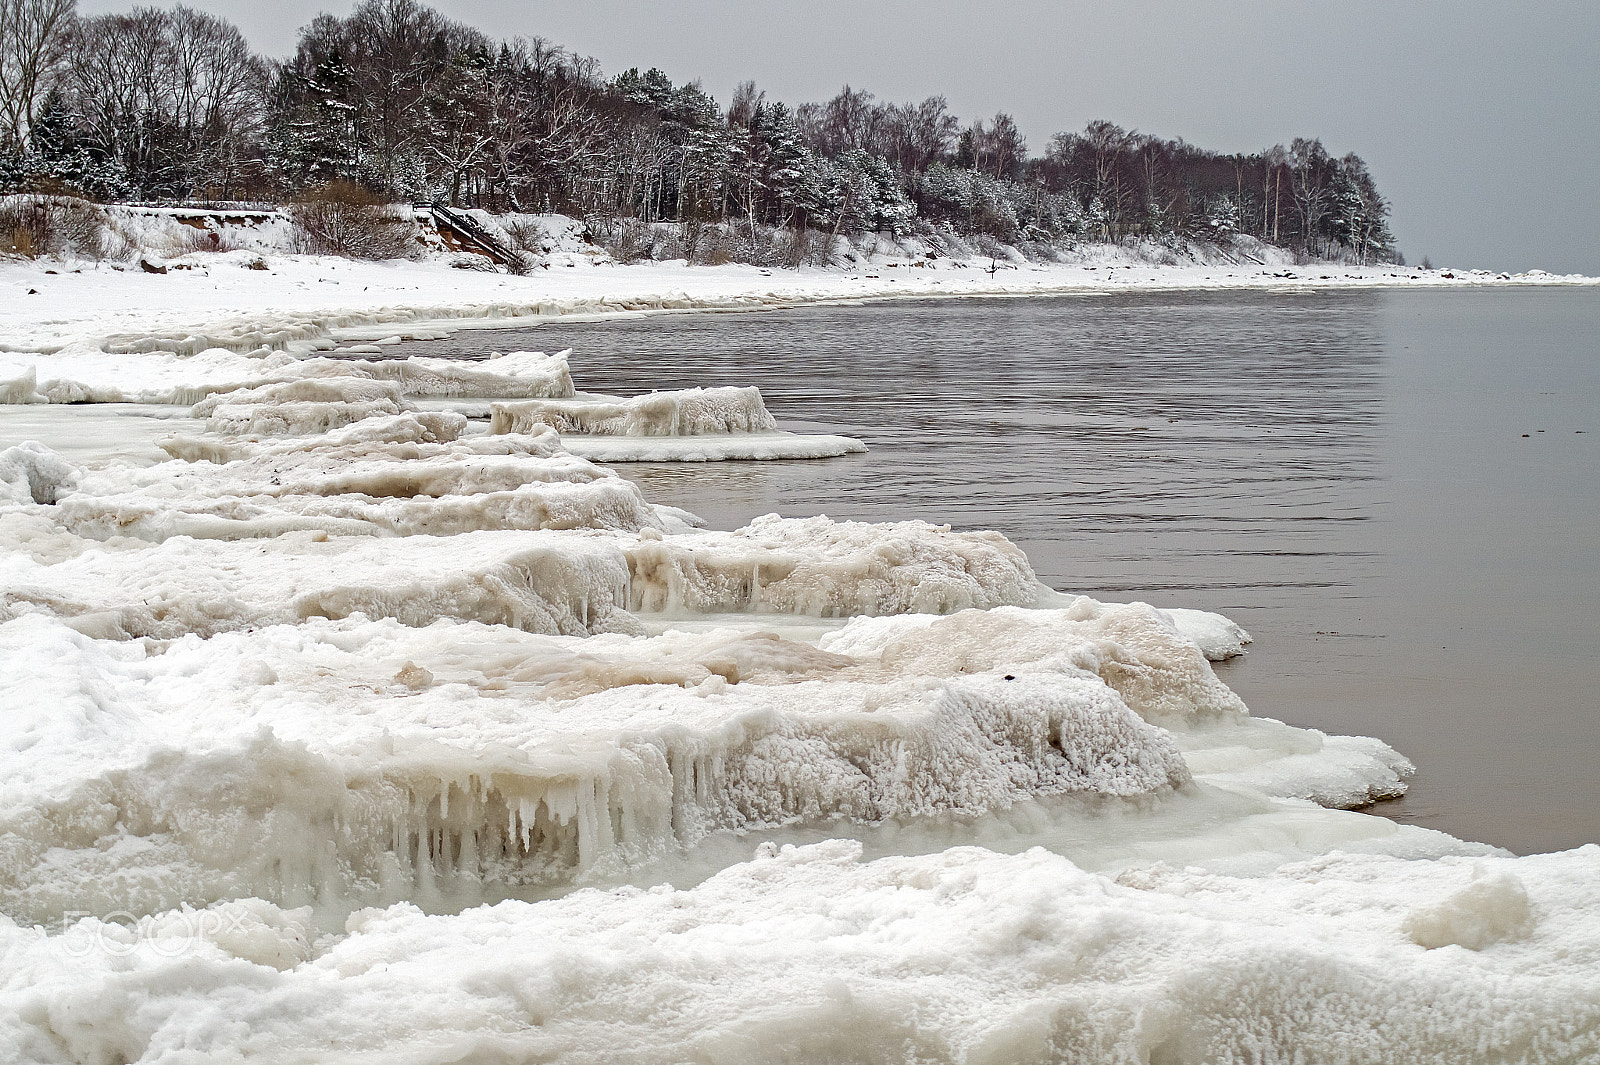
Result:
829,569
812,954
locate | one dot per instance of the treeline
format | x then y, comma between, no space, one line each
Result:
173,105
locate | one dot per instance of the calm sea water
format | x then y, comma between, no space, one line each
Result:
1398,493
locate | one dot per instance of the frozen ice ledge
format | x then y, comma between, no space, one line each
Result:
274,393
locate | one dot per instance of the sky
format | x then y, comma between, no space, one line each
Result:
1480,120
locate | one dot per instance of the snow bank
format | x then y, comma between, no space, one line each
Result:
813,954
687,412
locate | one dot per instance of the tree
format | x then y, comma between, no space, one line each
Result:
33,43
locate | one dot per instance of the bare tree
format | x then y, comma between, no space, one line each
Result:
33,42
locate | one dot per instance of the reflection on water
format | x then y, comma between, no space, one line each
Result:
1344,473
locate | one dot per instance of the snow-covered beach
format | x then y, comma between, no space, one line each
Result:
360,715
251,302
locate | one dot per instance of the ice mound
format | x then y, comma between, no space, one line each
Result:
1218,638
319,761
32,473
828,569
23,388
688,412
190,376
1492,908
1271,758
558,582
1157,670
515,375
401,475
301,407
1132,647
812,954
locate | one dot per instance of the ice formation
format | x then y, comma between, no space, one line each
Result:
287,714
404,475
428,763
828,569
689,412
689,425
713,447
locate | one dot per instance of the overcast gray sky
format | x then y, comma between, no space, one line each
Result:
1480,120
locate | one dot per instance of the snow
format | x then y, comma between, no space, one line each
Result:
812,953
333,728
101,332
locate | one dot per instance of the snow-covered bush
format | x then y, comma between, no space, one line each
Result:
342,218
65,226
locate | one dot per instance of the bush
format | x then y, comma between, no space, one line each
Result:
345,219
627,240
66,226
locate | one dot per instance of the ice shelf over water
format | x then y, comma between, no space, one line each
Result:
348,731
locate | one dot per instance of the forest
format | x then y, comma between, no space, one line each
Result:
165,106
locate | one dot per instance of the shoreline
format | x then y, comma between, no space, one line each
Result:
214,302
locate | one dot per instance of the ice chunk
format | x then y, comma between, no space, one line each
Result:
516,375
689,412
829,569
312,405
24,388
1217,637
1492,908
32,473
1132,647
727,447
